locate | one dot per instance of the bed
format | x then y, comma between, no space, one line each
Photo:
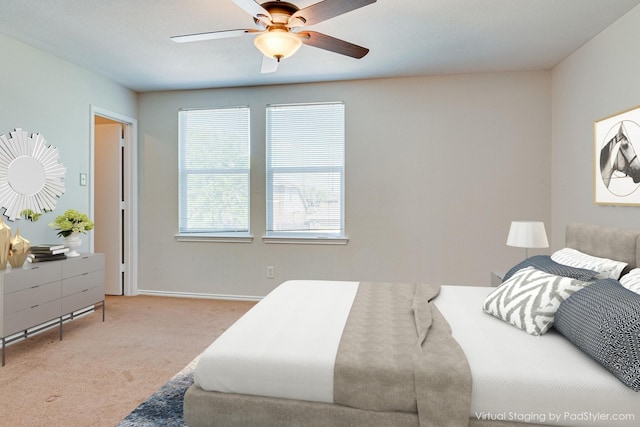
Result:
383,354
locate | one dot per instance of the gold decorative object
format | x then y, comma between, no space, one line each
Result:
18,250
5,242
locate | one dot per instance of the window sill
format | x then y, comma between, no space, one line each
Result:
306,240
214,238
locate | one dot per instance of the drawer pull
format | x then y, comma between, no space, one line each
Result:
85,290
84,274
36,286
34,306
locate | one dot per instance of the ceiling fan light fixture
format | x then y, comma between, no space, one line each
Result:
277,43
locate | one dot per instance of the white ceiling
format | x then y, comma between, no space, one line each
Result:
128,40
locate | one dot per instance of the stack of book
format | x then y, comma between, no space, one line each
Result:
47,252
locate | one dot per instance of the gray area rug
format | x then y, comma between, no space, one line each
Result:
164,407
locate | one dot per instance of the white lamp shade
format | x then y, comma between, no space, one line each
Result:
277,43
527,234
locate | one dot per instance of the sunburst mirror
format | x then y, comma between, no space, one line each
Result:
31,175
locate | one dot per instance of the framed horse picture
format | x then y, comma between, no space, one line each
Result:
617,167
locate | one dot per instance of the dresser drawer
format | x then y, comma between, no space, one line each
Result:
23,278
82,264
34,295
83,282
25,319
82,299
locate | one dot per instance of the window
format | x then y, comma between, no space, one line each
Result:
214,172
305,170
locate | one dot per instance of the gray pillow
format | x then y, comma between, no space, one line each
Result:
603,320
546,264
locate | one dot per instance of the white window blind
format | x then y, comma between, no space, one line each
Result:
214,170
305,170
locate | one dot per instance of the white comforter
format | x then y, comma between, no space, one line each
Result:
281,358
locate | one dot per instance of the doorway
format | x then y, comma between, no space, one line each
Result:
112,202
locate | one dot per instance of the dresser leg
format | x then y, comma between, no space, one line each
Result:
60,328
3,345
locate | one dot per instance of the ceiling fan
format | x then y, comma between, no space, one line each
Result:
280,31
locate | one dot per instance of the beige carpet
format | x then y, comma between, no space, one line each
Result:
101,371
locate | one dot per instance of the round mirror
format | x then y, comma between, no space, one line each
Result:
31,176
25,175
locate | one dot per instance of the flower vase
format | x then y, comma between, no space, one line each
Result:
73,242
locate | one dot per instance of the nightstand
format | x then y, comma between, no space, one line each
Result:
496,278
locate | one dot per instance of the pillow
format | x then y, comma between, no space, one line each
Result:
530,298
603,320
546,264
608,268
631,280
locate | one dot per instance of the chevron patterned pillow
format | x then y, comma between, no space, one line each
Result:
530,298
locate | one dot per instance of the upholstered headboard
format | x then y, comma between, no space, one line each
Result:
605,242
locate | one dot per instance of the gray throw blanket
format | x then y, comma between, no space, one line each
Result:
397,354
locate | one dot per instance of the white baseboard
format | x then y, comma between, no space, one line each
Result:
198,295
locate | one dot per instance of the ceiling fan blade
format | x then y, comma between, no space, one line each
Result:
253,8
326,9
269,65
323,41
211,36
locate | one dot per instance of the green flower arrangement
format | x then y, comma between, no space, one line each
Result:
70,222
30,215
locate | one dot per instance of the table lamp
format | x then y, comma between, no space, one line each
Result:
527,234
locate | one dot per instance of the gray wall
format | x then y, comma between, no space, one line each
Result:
598,80
436,168
43,94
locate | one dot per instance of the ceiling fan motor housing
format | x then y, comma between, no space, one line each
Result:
280,8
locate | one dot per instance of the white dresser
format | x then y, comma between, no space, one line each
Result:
44,293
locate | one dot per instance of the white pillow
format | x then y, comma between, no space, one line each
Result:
631,280
608,268
530,298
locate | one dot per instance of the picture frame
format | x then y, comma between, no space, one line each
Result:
617,161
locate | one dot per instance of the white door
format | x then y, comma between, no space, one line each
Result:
109,203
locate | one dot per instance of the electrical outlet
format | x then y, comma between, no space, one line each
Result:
83,179
271,271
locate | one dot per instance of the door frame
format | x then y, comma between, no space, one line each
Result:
130,185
